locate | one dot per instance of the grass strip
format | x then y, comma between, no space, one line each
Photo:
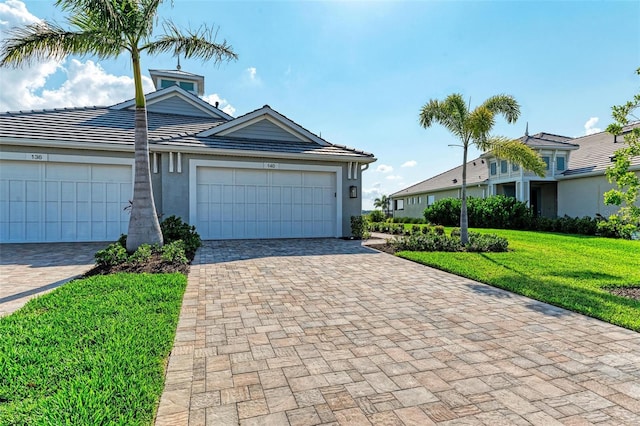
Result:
91,352
570,271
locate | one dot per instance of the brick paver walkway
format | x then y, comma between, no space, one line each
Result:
29,270
326,331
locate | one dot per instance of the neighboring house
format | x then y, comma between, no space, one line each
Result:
574,183
67,174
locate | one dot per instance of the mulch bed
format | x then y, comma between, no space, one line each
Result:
384,247
629,292
155,265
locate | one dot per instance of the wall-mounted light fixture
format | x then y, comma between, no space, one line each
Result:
353,192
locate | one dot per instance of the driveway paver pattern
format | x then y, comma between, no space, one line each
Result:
305,332
30,270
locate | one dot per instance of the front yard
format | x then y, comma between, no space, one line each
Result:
569,271
91,352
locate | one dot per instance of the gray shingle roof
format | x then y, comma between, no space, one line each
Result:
595,153
116,126
477,173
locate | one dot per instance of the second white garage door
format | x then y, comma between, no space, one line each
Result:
250,203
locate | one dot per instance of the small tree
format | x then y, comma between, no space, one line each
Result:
383,203
626,180
474,127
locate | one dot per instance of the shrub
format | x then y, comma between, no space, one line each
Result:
359,227
444,212
439,230
142,254
486,243
376,216
174,229
113,254
415,229
174,252
616,227
428,242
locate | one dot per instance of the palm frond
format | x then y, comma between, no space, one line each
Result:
45,41
198,43
480,122
103,11
518,153
505,105
451,113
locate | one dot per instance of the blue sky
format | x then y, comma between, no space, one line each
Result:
358,71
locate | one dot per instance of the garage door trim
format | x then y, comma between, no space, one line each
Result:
193,170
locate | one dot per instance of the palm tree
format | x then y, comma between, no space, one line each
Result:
473,127
106,29
383,203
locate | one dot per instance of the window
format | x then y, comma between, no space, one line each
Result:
560,166
546,161
187,86
167,83
419,200
399,205
431,199
515,167
494,168
503,166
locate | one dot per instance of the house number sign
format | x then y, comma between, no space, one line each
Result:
271,165
37,157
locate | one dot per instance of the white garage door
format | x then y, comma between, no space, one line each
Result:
247,203
52,202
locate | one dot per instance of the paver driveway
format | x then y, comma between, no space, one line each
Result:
326,331
29,270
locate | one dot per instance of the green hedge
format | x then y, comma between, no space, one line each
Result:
500,212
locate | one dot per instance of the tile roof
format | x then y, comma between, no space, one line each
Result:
548,140
116,126
595,153
477,173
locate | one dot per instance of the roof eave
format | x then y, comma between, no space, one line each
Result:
160,147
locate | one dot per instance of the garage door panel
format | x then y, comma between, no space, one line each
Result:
14,170
202,193
318,179
250,177
68,191
286,178
113,212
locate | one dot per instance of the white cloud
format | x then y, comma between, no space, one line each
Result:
224,105
410,163
589,128
251,76
383,168
86,82
394,177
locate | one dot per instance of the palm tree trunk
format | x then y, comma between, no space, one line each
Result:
144,227
464,219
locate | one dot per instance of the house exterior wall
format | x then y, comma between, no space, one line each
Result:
177,106
264,130
415,204
176,192
584,197
171,189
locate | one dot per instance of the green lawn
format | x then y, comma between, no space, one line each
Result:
92,352
565,270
